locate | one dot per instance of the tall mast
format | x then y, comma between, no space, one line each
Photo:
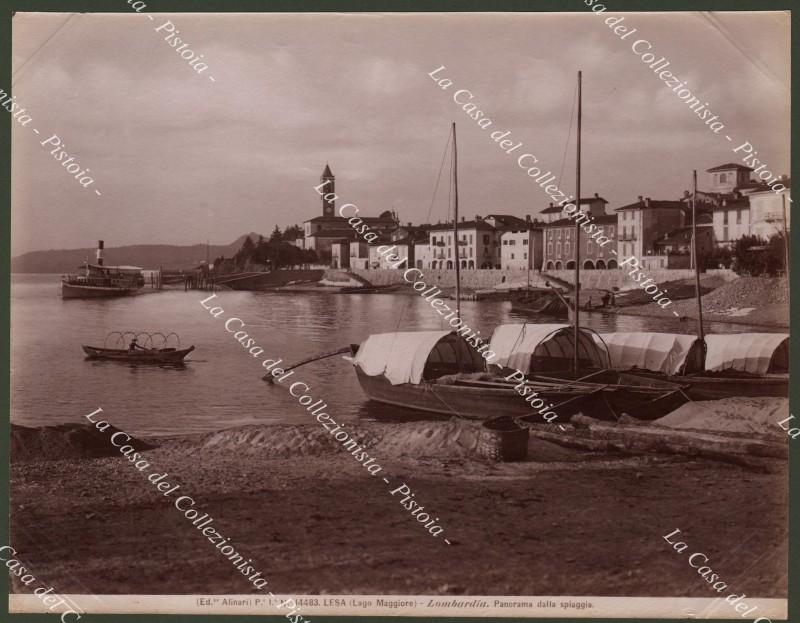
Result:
455,223
697,271
577,236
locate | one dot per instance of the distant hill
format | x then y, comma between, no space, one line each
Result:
149,256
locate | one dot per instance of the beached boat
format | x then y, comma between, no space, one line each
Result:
737,364
149,355
437,371
546,353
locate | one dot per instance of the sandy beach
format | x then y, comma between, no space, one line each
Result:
295,504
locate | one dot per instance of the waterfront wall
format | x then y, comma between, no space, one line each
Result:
489,278
262,280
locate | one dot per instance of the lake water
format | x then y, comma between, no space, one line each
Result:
221,386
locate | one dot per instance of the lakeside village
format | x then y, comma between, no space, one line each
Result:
736,213
735,210
631,255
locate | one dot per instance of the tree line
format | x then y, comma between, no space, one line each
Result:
278,251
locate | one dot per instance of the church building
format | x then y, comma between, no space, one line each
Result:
328,229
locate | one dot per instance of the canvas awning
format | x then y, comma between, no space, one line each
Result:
541,347
400,357
658,352
746,352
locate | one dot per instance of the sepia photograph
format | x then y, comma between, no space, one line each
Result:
423,314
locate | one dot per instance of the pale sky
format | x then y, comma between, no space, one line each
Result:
181,159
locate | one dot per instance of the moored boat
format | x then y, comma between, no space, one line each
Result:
100,281
437,371
736,364
546,353
98,285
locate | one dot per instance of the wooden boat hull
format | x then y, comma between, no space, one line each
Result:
646,399
73,291
710,387
164,355
477,400
546,304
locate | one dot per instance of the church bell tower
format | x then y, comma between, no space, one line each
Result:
329,187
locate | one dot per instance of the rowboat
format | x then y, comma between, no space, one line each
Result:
145,356
738,364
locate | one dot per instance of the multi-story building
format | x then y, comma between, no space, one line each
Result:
769,209
423,253
478,245
731,220
742,206
559,245
389,253
521,248
560,237
641,224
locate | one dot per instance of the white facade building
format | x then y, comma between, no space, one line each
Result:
521,249
767,212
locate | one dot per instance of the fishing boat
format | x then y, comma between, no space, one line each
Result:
712,366
737,364
545,353
148,355
100,281
540,302
437,371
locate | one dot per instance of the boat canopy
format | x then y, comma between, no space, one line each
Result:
540,348
756,353
408,357
657,352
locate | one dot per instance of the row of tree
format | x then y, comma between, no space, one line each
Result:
752,255
756,256
278,251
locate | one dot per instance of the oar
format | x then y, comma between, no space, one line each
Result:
269,378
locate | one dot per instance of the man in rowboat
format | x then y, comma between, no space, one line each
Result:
134,345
